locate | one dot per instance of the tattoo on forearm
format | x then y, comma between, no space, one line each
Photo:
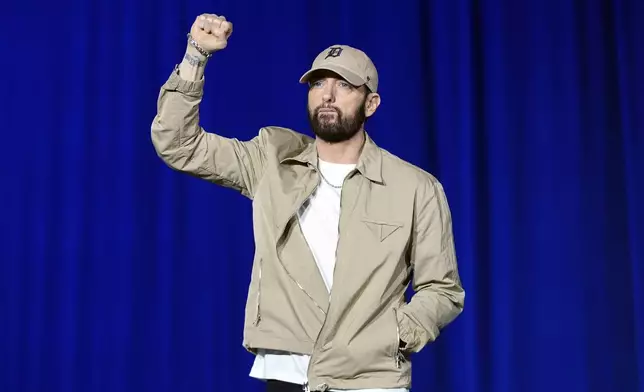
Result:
194,60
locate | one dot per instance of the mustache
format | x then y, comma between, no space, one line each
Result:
317,109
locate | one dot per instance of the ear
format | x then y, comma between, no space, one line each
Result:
371,103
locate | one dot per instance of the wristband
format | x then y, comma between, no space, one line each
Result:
201,50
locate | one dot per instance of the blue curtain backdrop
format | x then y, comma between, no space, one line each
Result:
117,274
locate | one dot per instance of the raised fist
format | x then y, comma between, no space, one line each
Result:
211,32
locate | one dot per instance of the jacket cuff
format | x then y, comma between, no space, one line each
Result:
189,87
408,336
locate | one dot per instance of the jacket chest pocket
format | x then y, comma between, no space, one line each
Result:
382,231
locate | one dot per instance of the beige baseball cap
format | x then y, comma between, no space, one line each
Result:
350,63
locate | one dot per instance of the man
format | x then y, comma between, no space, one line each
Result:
341,227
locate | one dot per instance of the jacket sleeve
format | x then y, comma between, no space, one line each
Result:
181,142
439,295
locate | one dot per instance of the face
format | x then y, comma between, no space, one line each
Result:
337,110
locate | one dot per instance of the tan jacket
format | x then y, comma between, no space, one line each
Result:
394,221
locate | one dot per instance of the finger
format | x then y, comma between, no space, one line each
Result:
201,21
209,27
216,23
227,29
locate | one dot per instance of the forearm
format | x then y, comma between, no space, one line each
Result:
176,126
184,145
439,294
193,65
429,310
177,135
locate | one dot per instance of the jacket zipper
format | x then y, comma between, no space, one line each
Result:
324,387
258,316
337,245
307,244
305,387
397,343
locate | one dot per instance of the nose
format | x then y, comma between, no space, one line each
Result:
329,93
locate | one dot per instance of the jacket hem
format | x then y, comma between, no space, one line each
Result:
368,382
254,341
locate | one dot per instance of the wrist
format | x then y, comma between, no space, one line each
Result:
194,57
191,50
195,46
193,65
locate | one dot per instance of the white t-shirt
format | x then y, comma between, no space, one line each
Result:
319,219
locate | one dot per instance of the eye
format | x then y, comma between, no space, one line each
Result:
316,83
344,84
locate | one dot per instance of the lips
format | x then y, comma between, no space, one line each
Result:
321,111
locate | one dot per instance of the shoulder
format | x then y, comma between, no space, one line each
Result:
427,190
277,134
399,171
283,142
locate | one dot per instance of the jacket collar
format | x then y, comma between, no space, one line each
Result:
369,163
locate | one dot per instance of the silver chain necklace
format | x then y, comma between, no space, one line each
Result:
327,181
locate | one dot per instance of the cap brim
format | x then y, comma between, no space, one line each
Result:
347,75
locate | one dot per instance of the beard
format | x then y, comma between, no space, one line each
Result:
338,127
